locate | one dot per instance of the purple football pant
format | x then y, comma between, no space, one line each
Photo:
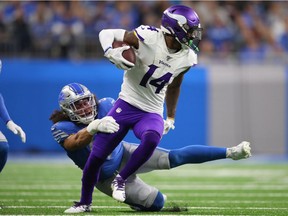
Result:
148,127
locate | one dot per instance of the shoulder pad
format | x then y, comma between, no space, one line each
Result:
147,34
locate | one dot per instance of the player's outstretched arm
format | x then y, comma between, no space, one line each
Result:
3,110
106,38
16,129
83,137
77,141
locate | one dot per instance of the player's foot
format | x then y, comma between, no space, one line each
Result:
241,151
78,208
118,187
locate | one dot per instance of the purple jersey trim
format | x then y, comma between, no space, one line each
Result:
139,36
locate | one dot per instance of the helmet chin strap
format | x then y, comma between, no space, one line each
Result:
194,44
191,44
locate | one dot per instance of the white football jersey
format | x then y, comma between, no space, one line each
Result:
144,86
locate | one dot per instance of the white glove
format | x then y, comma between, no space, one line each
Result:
115,56
105,125
16,130
168,124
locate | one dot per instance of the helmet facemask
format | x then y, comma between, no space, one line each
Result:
193,38
82,110
78,103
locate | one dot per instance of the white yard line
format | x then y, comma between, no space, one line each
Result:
174,194
174,201
126,207
191,186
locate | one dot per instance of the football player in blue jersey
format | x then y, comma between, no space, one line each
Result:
82,116
4,146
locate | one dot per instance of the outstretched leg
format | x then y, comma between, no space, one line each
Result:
200,154
195,154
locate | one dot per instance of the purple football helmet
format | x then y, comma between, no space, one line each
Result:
184,23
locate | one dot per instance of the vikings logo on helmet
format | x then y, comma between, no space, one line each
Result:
184,23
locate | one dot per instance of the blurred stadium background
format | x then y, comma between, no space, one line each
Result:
239,90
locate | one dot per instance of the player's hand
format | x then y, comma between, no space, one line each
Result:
116,57
105,125
168,124
108,125
16,130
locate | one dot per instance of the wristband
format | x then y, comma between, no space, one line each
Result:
171,119
110,47
92,128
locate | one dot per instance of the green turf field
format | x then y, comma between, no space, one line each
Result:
228,188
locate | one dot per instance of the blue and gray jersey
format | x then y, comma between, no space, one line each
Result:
4,115
63,129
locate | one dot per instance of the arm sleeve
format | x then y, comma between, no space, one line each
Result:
3,111
107,36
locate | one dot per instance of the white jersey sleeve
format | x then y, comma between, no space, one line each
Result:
144,86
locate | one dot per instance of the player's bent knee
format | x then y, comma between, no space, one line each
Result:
157,205
152,137
4,147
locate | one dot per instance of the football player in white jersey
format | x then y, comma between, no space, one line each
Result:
4,146
74,127
163,56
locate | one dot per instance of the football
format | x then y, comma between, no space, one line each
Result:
129,54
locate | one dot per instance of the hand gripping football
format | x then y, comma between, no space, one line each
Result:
129,54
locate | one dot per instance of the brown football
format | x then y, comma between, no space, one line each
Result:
129,54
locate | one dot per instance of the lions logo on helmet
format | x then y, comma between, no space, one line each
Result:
184,24
78,103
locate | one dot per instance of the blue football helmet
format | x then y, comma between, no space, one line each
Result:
78,103
184,24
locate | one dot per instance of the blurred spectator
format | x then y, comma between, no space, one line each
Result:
69,29
221,35
284,36
253,49
125,15
4,35
41,31
20,32
66,30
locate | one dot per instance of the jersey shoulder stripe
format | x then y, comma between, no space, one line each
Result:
147,34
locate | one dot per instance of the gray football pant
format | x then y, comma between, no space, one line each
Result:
137,191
